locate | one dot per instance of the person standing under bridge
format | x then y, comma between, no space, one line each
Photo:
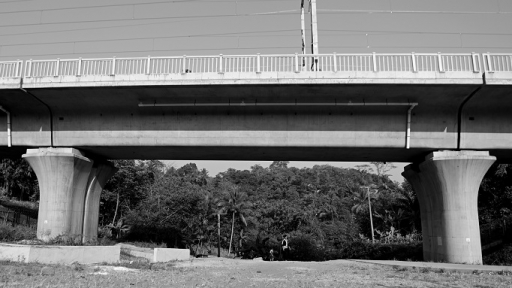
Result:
285,248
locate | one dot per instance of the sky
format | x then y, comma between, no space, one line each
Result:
50,29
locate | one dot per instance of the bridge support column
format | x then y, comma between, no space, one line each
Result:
99,176
447,185
64,175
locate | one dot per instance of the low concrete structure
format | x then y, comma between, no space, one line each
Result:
447,185
60,254
170,254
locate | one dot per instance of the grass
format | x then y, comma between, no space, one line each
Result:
242,273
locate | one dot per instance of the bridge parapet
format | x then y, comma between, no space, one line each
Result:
244,69
498,68
10,74
413,62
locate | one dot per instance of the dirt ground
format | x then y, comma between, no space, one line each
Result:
223,272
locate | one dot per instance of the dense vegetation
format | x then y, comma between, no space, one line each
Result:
324,209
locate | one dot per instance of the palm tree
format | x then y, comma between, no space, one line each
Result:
360,201
234,203
359,206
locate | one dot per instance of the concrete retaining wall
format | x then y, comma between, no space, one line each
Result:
60,254
170,254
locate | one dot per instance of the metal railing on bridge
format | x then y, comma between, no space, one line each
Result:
11,69
497,62
297,63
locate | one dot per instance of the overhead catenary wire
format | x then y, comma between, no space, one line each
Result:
159,50
296,50
228,34
364,11
270,13
239,34
96,28
370,32
130,4
2,2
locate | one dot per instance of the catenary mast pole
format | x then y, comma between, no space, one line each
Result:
314,33
303,33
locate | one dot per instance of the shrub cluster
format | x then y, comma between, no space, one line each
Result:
9,233
381,251
500,257
306,248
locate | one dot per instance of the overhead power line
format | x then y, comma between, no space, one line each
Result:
367,48
381,32
2,2
346,11
230,34
240,34
158,50
384,32
132,4
271,13
95,28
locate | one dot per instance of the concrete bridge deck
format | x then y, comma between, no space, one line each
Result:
261,107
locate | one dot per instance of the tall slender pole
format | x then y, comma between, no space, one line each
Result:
370,208
314,34
218,227
314,28
303,33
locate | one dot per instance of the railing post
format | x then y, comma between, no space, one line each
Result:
297,63
374,62
490,67
19,68
414,66
183,63
113,72
440,62
57,67
476,62
221,64
335,62
28,71
148,67
258,63
79,72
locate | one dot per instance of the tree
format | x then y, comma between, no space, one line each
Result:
382,168
234,203
128,187
279,164
18,180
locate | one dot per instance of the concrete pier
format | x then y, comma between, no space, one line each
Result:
447,184
63,174
99,176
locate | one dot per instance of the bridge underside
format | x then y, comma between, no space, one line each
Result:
351,122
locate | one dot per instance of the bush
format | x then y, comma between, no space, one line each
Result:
499,257
305,248
151,234
9,233
382,251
